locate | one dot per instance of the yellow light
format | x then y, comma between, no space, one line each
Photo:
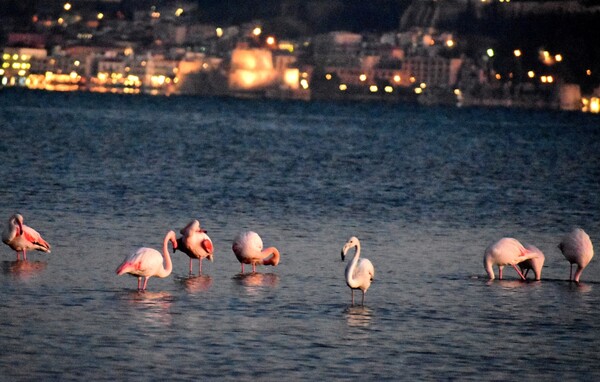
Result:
100,16
1,72
397,78
588,72
328,76
5,65
595,105
16,65
179,12
61,20
550,79
412,80
418,90
22,73
544,79
76,63
498,76
15,57
558,58
67,6
490,52
73,75
373,88
449,43
362,77
6,56
457,92
343,87
531,74
155,15
270,40
388,89
423,85
517,52
257,31
304,83
219,32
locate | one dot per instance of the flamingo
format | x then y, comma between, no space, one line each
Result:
359,272
22,238
195,243
577,248
506,251
148,262
535,263
248,248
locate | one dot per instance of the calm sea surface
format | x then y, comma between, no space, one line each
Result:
425,189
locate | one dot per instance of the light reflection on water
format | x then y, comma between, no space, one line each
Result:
425,190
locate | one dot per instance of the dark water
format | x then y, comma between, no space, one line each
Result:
425,189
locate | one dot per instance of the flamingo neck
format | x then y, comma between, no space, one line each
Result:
168,268
487,263
273,256
351,267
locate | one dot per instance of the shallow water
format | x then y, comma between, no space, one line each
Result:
425,189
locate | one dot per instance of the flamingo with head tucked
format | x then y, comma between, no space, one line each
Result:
359,272
506,251
195,243
577,248
22,238
535,263
148,262
248,249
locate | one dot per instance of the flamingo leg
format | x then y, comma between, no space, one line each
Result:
145,282
191,266
500,273
526,272
200,266
242,267
571,272
139,282
253,267
24,255
518,271
352,293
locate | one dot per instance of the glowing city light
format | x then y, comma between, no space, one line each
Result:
373,89
343,87
362,77
179,12
100,16
397,78
67,6
490,52
531,74
328,76
257,31
219,32
270,40
517,53
388,89
558,57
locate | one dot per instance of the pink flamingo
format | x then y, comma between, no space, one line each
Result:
577,248
535,263
22,238
148,262
506,251
195,243
359,272
248,248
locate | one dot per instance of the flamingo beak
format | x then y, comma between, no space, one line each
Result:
20,230
343,255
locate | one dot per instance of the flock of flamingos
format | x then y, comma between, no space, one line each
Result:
247,246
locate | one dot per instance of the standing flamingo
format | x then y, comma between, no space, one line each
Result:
22,238
148,262
535,263
195,243
577,249
248,248
359,272
506,251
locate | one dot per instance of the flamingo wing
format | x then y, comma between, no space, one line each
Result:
34,237
207,245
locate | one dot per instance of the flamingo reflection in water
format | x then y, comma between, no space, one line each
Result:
23,269
257,279
200,283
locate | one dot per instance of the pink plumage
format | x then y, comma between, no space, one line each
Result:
577,248
22,238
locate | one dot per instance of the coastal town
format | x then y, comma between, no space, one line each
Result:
164,49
